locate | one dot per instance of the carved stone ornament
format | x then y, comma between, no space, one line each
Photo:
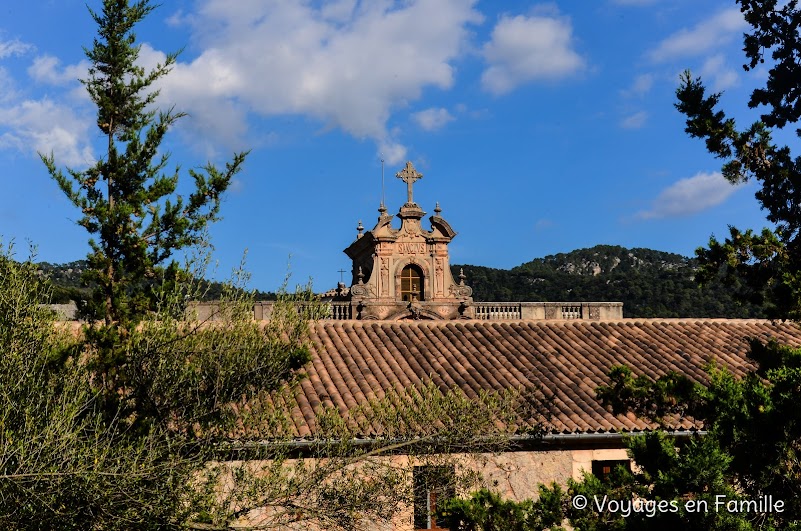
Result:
360,290
595,313
371,313
461,291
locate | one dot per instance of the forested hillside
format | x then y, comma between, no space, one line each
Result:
68,285
649,283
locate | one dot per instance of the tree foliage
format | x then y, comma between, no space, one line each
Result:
749,452
649,283
763,266
64,464
485,510
137,222
127,197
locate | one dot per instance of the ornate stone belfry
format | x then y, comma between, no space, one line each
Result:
405,273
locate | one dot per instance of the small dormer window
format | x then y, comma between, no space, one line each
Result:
411,284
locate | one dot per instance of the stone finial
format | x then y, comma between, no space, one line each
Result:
461,276
437,210
382,209
360,229
360,276
409,175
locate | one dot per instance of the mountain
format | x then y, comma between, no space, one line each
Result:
649,283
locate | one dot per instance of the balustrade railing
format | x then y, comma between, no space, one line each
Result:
495,311
571,312
482,311
339,311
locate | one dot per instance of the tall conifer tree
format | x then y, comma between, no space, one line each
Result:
765,267
128,197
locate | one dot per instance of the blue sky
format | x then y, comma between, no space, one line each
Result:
539,127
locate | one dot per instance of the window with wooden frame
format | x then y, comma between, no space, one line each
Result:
431,483
411,283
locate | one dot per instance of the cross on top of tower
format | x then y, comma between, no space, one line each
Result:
409,175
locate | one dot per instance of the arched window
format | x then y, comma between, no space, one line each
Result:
411,283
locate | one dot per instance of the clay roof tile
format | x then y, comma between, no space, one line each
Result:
354,361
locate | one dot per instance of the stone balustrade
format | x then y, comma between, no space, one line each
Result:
483,311
494,311
596,311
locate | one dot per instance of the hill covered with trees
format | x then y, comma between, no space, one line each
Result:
68,284
649,283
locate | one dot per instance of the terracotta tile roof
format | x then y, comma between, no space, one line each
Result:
354,361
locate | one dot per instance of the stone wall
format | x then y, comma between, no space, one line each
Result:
514,475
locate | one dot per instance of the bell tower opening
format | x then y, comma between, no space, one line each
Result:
411,283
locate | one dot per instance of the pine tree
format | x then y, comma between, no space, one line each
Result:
764,267
128,197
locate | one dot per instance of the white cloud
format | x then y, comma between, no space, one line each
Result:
524,49
708,34
690,196
347,64
177,19
8,87
392,152
722,75
47,69
15,47
640,87
45,126
206,90
338,10
433,118
634,121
